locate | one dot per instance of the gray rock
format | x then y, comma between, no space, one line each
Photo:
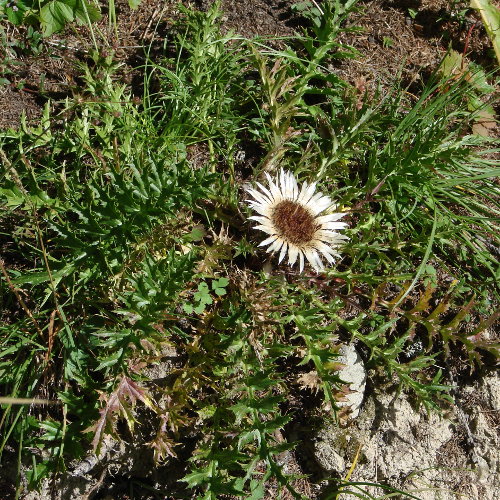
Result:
328,459
354,374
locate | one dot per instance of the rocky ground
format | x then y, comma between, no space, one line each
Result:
447,457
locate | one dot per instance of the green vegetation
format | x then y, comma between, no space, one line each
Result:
490,14
118,243
50,15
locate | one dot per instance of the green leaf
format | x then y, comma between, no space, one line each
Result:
258,492
203,294
35,474
188,308
491,18
203,298
14,196
199,308
133,4
110,360
218,286
197,234
82,9
197,477
260,381
55,15
16,16
220,291
220,283
207,412
451,64
250,436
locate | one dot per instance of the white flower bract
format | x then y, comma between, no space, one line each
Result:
298,221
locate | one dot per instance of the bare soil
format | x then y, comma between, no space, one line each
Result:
390,42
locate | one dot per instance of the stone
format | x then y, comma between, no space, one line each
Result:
354,374
327,458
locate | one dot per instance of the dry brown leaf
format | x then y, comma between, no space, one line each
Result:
485,124
310,381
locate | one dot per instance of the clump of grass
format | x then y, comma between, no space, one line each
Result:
120,244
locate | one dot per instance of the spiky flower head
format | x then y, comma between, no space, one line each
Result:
301,221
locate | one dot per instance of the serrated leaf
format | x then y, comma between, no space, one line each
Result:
240,410
258,492
110,360
119,404
248,437
198,476
207,412
260,381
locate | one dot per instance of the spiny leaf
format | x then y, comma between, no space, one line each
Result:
119,404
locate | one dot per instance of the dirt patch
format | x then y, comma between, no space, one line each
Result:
409,38
257,18
16,103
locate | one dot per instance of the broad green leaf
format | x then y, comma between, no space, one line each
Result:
220,291
55,15
219,286
16,16
199,308
452,63
188,308
220,283
82,9
13,196
491,18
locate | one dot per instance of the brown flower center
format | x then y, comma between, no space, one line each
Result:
293,222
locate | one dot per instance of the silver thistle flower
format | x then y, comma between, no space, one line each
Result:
292,219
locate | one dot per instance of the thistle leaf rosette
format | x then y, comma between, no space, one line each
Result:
301,221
